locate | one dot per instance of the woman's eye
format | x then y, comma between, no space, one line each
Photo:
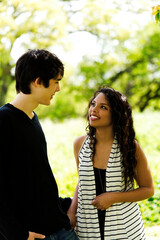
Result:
92,104
103,107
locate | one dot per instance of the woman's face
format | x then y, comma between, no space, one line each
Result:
100,112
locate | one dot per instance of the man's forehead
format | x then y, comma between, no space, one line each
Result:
59,77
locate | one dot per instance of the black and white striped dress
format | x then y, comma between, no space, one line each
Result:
122,220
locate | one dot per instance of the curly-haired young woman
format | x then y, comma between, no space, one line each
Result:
110,163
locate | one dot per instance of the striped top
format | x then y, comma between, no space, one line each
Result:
122,220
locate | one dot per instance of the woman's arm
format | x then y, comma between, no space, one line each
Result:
144,181
73,207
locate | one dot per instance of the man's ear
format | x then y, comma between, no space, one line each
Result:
37,82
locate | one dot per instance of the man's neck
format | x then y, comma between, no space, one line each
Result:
25,103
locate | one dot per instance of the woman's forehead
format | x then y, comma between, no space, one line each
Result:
100,97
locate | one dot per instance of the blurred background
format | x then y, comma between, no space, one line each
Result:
111,42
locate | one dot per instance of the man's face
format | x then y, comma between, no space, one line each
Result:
44,95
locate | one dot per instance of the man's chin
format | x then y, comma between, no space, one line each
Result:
46,103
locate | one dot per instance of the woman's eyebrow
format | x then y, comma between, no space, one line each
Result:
100,103
104,104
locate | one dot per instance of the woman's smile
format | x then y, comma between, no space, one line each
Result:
94,117
100,112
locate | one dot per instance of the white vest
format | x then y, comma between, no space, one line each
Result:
122,220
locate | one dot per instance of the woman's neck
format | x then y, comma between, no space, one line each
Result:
104,135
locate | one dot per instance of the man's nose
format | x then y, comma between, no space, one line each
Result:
58,88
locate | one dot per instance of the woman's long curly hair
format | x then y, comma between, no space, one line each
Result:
122,121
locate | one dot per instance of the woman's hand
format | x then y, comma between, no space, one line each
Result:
73,208
103,201
72,219
33,235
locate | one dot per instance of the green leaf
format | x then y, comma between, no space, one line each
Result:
157,17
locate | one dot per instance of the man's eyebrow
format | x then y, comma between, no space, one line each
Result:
59,79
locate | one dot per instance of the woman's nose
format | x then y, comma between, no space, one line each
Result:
94,109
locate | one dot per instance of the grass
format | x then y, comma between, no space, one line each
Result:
152,233
60,137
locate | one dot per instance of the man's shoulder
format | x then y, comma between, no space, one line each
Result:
4,110
5,118
6,114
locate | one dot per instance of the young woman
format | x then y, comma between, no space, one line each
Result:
110,161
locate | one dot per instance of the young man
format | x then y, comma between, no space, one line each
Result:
30,207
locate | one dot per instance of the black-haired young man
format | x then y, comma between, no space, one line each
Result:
30,207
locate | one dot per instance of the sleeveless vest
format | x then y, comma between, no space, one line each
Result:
122,220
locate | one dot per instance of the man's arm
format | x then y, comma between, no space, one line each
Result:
10,228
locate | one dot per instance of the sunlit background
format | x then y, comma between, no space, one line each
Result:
110,42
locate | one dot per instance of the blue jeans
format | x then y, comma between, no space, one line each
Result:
63,234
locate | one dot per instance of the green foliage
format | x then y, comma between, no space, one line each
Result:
128,59
60,137
65,104
128,56
150,208
62,107
137,76
156,12
147,126
157,17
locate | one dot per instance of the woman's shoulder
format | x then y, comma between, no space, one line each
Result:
77,145
139,151
79,141
138,147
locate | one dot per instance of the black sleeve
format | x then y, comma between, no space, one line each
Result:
10,228
65,203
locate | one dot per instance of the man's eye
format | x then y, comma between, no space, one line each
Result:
103,107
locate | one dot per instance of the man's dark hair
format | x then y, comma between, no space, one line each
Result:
34,64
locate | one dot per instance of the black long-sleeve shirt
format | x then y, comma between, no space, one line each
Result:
29,198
